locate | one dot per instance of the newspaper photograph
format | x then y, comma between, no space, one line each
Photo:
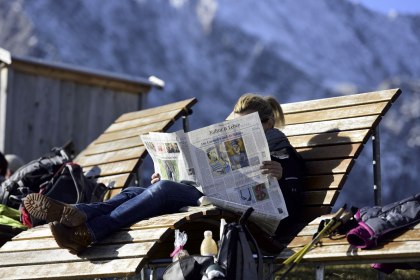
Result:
229,155
224,159
170,155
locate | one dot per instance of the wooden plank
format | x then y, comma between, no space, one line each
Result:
328,166
341,101
41,231
136,131
79,119
44,123
336,113
312,226
114,181
177,219
75,270
107,169
184,104
95,112
319,182
143,121
330,152
329,138
309,213
331,126
23,85
67,108
390,251
29,245
114,156
121,144
97,252
134,235
97,79
320,197
53,112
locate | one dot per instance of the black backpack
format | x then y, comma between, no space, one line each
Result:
30,176
54,175
235,259
69,185
237,250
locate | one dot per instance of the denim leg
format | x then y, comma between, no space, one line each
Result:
163,197
95,209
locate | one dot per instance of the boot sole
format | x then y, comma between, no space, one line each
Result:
47,209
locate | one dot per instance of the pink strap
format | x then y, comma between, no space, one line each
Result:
176,251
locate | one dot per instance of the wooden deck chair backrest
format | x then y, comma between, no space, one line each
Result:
330,134
116,154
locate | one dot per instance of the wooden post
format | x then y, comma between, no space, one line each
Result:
5,60
185,123
319,272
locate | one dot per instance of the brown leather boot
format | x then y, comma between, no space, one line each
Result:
75,239
50,210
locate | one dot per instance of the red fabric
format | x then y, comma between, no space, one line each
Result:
26,219
360,237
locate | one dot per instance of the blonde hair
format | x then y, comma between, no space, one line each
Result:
266,106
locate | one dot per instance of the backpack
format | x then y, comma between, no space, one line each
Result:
68,185
54,175
235,259
30,176
190,267
237,249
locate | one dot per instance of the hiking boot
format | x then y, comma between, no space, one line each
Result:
74,239
50,210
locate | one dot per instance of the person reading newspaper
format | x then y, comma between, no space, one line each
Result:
286,164
76,227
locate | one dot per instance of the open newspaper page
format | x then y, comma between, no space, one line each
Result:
170,154
229,156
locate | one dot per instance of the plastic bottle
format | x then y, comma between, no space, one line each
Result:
208,246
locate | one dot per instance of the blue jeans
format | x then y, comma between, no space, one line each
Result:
134,204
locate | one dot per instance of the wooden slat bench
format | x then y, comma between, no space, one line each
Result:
329,133
335,250
337,134
114,157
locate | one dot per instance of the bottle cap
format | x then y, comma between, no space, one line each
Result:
208,233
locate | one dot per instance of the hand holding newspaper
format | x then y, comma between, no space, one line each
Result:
224,159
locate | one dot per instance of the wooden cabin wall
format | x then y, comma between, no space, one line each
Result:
45,111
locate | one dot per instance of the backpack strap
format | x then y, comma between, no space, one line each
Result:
249,238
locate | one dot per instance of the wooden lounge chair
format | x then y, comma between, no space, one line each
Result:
328,166
114,157
329,133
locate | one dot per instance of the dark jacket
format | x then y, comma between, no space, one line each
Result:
374,222
293,170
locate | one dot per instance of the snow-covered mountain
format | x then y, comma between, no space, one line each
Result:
216,50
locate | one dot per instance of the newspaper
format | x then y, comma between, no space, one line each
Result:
224,159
